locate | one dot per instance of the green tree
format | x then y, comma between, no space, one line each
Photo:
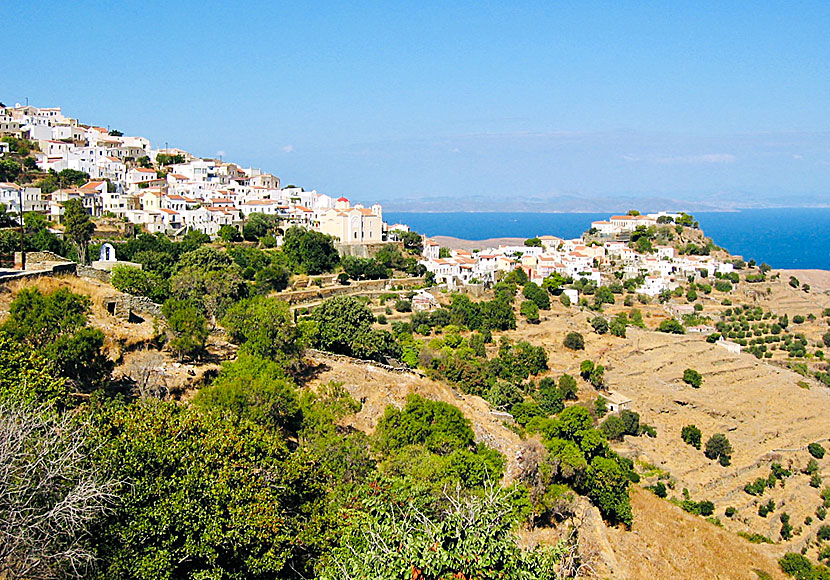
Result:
272,278
257,389
264,327
816,450
438,426
208,278
80,357
204,497
79,226
187,327
9,170
497,314
549,396
691,435
613,428
55,324
339,321
693,378
568,387
574,341
631,421
603,295
164,159
309,251
136,281
258,225
797,566
539,296
516,276
364,268
718,447
618,325
608,489
599,324
465,312
379,345
672,326
412,241
37,319
28,378
530,311
228,233
723,286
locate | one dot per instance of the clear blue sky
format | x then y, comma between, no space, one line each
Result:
394,100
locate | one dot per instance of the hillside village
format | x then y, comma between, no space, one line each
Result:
656,267
164,190
586,376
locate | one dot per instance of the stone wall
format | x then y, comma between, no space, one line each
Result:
95,274
363,288
320,355
41,258
127,306
364,250
54,270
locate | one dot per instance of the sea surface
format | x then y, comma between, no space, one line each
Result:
783,238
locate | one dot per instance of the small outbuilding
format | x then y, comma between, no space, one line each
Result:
616,402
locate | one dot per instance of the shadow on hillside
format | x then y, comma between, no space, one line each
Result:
310,372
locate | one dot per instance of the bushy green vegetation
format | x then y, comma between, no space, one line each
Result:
344,325
580,457
718,447
693,378
56,325
258,476
255,478
799,566
691,435
626,422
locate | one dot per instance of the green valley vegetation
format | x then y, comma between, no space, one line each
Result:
255,477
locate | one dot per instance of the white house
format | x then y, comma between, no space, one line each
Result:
616,402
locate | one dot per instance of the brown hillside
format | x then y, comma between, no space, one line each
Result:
665,542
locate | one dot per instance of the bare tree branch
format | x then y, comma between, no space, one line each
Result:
49,495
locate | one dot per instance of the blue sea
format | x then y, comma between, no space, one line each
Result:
783,238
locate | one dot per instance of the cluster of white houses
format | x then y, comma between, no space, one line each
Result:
570,258
623,224
200,194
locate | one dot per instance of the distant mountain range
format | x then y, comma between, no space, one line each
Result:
573,203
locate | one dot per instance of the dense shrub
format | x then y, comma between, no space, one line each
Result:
599,324
671,326
718,447
816,450
530,311
691,435
574,341
692,377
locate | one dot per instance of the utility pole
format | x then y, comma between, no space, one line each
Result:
20,219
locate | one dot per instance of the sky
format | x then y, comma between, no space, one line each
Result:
436,105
